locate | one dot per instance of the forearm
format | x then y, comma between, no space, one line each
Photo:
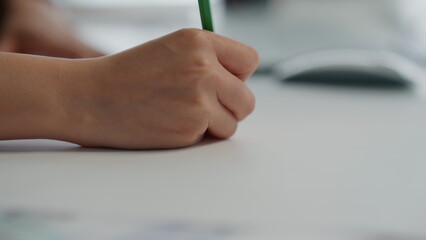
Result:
166,93
31,96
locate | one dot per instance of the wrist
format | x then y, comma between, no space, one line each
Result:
76,89
28,96
44,98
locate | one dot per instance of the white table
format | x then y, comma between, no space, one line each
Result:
313,162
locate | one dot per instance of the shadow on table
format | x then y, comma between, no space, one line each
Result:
34,146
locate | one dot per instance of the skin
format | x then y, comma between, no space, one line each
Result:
167,93
38,27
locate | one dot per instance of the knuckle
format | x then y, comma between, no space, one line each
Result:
255,59
251,102
223,130
199,102
200,60
240,115
193,36
189,136
192,129
198,81
198,54
256,56
193,138
232,129
248,106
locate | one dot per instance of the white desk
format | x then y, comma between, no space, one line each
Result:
311,163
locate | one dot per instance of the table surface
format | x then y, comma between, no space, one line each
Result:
313,162
320,160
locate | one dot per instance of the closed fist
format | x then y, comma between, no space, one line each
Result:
166,93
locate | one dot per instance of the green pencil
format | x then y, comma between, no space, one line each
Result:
206,15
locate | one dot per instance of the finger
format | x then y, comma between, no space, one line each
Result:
238,58
233,94
222,123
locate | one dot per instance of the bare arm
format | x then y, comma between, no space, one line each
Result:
38,27
166,93
30,90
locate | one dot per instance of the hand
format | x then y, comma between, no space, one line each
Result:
38,27
166,93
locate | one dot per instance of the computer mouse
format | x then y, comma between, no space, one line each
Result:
352,67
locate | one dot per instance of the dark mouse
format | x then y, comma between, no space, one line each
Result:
351,67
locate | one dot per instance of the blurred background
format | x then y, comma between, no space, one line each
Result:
277,28
280,30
